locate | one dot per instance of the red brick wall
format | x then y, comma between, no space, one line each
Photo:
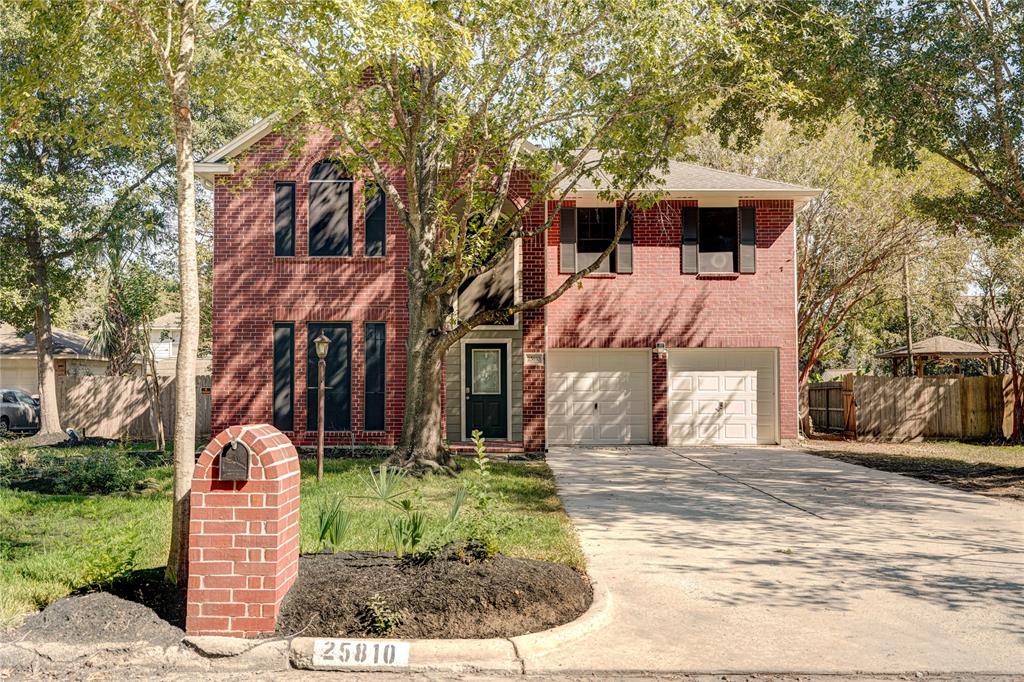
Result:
659,303
243,536
252,289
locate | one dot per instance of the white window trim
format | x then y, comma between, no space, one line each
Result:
462,382
517,295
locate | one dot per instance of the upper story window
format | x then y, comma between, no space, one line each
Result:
376,218
719,240
330,210
585,233
284,219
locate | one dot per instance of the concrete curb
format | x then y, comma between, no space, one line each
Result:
228,654
477,655
597,616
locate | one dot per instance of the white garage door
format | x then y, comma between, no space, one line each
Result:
19,373
722,397
599,397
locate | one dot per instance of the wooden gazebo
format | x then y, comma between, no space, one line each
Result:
941,349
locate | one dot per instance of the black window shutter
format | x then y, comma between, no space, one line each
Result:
567,240
691,219
624,249
284,375
284,219
373,399
748,239
376,213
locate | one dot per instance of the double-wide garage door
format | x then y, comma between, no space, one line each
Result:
715,396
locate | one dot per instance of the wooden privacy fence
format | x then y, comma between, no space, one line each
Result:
112,407
912,408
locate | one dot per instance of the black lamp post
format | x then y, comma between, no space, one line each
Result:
322,343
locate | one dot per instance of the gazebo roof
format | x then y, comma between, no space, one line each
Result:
944,347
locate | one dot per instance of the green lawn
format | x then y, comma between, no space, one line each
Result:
51,545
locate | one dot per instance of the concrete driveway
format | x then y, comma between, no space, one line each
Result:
764,559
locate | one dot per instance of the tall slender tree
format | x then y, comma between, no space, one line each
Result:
166,31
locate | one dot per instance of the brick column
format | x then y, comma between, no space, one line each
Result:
659,398
243,536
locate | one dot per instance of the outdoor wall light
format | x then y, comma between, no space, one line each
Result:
660,348
322,343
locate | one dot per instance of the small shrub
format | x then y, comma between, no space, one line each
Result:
333,522
476,549
377,618
94,473
110,564
407,532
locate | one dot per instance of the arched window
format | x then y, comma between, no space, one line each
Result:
330,210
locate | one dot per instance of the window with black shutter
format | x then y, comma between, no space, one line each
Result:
284,219
585,233
330,210
284,375
719,240
373,398
376,214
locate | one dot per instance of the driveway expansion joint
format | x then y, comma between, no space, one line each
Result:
749,485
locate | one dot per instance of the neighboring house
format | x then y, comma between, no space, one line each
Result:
687,336
164,340
165,336
18,364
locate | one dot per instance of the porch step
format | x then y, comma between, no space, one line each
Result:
502,447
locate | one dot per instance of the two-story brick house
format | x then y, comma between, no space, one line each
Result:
686,335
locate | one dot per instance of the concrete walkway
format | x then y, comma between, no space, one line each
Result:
772,560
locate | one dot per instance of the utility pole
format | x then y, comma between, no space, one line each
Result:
911,367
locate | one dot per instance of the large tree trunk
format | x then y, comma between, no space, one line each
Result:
49,417
421,445
185,379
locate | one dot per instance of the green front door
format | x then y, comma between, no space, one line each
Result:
486,384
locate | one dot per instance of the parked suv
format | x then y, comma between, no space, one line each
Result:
18,411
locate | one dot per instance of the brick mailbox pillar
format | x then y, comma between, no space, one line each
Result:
244,532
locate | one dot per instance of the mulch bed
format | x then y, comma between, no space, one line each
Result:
97,618
447,596
453,594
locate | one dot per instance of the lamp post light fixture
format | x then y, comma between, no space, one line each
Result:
321,343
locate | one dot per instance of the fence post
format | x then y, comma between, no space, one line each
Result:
849,407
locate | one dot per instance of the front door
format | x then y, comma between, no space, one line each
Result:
487,389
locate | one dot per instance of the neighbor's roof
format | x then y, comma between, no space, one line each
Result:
168,321
944,346
682,178
65,343
688,178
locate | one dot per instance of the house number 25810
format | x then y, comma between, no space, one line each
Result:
373,653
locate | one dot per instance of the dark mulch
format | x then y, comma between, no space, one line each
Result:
986,479
96,618
440,597
149,588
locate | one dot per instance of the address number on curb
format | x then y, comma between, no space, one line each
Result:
366,653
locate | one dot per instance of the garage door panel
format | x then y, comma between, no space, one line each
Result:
722,396
616,382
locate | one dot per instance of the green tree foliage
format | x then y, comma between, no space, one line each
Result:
456,97
946,76
852,239
69,171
